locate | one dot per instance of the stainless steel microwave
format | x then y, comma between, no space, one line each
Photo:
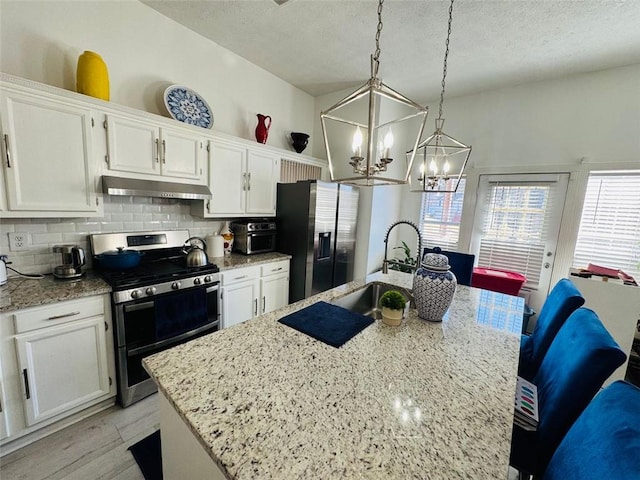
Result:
252,236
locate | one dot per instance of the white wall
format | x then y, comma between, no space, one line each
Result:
555,122
572,124
146,52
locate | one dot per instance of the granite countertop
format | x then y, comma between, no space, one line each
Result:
21,292
237,260
423,400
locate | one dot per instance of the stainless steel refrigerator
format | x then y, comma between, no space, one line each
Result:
316,224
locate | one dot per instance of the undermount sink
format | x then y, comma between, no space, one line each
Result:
365,300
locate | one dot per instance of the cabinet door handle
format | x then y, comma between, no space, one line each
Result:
255,307
157,150
26,383
164,151
6,150
249,181
264,304
276,269
240,278
71,314
244,181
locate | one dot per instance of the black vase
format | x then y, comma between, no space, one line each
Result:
299,141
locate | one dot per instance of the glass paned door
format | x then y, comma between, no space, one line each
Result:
516,226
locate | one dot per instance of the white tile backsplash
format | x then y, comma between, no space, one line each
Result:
121,214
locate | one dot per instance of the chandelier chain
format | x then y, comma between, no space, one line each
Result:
376,55
446,55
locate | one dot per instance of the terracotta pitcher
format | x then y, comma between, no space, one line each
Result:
262,130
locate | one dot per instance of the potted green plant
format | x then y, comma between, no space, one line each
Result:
392,303
407,264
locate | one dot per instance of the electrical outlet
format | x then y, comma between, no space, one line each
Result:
18,241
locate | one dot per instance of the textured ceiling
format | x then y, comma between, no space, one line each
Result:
322,46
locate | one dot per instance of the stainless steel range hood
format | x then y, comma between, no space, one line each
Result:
152,188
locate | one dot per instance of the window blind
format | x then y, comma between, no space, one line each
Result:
609,233
515,227
441,214
291,172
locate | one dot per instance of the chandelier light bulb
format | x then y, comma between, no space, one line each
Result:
356,145
388,144
433,167
446,167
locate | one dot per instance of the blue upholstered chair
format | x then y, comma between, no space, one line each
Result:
461,264
604,442
563,300
582,356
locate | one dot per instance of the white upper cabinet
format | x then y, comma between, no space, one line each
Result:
48,158
144,147
3,188
243,181
133,146
227,178
262,180
182,154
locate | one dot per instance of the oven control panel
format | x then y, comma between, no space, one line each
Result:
166,287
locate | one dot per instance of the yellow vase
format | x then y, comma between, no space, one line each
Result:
92,76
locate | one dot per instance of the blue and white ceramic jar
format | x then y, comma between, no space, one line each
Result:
434,286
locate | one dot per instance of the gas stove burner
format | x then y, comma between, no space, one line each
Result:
162,269
147,274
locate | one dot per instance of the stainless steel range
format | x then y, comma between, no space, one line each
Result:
157,303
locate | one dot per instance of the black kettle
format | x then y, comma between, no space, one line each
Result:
194,248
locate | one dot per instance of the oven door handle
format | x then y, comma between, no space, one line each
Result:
263,233
169,341
138,306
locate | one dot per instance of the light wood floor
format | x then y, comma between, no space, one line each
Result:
93,449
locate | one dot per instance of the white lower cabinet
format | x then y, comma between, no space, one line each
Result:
4,431
57,360
274,286
239,293
62,367
251,291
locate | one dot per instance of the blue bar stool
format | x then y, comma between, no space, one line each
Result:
582,356
562,301
604,442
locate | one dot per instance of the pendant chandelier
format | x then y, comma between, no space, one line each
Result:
441,159
358,131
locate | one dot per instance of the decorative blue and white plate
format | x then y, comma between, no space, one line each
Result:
185,105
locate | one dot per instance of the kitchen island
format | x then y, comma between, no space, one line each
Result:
423,400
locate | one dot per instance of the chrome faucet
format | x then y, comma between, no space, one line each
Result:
386,262
408,295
